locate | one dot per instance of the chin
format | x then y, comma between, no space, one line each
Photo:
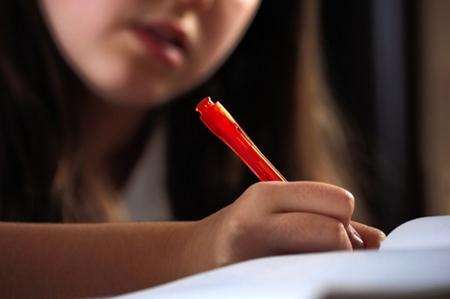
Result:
133,98
136,98
128,87
130,92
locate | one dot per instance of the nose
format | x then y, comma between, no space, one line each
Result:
199,5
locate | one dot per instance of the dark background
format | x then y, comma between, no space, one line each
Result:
371,51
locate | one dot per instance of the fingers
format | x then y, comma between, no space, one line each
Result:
312,197
372,237
298,217
355,238
305,232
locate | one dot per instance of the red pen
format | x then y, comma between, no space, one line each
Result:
222,124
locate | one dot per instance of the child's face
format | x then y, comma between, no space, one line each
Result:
145,51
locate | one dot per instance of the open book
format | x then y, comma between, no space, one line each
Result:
413,262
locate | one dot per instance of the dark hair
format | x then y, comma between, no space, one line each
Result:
34,119
38,126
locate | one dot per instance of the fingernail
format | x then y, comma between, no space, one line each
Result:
357,241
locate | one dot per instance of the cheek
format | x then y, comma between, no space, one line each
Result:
75,21
89,34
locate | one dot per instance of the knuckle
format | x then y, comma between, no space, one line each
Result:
255,189
261,187
260,191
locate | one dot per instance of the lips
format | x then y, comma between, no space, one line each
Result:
167,41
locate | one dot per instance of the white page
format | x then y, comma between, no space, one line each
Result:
421,233
310,276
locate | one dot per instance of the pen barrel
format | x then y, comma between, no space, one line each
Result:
219,121
249,153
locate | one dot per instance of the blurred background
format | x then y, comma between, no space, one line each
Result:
388,66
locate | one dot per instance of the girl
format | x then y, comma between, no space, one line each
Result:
84,82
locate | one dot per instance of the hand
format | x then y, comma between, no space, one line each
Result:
273,218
